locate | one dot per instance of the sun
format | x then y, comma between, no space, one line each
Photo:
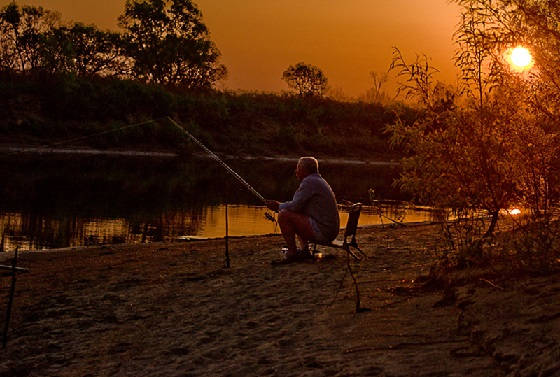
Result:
520,58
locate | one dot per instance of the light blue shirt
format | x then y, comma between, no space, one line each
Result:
315,198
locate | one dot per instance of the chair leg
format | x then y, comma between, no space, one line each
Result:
360,250
10,300
354,280
351,253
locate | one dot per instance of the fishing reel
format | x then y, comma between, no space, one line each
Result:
270,217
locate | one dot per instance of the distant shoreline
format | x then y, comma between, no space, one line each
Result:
25,149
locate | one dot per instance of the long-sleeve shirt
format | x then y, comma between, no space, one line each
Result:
315,198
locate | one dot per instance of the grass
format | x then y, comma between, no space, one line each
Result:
43,108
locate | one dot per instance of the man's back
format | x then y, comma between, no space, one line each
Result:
315,198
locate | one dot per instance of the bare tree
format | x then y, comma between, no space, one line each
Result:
376,94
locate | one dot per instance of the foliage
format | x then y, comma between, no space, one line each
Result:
165,42
492,143
170,44
529,100
22,32
306,79
535,244
41,108
33,39
418,83
85,51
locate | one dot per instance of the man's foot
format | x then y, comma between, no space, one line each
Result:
298,256
304,254
288,258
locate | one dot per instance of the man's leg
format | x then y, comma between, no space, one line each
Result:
304,243
292,224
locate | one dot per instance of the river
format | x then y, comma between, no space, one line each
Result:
57,201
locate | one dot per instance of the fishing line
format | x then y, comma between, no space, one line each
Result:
104,132
218,160
66,141
267,215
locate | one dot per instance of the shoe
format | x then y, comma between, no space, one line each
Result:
286,260
304,254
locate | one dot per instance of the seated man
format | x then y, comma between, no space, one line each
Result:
312,214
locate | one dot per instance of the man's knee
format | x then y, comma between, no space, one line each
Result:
284,216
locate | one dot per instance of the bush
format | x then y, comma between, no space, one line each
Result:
58,107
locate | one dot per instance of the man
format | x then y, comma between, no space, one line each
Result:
312,214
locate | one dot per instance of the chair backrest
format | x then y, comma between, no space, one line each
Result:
352,224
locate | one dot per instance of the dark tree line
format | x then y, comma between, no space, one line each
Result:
163,41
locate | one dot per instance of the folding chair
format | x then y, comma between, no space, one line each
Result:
350,231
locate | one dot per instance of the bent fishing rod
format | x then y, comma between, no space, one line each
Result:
218,160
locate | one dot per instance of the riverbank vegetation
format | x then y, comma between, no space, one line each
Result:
61,80
491,145
42,108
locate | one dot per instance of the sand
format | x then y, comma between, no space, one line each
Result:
174,310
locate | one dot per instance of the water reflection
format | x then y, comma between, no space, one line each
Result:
34,232
60,201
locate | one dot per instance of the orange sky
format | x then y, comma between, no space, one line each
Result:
347,39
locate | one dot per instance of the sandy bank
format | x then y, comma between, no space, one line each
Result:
173,310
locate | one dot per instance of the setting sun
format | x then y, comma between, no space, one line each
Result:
514,211
521,58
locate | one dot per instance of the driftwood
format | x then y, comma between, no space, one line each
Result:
11,268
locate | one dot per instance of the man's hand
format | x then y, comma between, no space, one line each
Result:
272,205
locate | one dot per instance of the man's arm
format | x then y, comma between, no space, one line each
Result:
273,205
301,197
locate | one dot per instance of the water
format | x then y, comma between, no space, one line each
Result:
50,201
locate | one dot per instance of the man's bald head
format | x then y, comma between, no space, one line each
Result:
306,166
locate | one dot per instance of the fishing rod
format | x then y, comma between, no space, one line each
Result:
218,160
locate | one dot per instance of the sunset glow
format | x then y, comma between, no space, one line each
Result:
259,40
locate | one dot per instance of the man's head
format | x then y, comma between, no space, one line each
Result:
306,166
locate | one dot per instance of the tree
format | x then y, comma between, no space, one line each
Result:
376,94
306,79
533,24
536,93
85,51
492,143
170,44
33,38
22,32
